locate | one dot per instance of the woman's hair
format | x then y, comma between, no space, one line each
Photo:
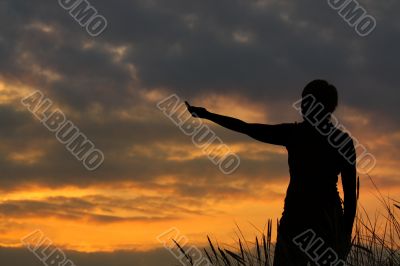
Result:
323,93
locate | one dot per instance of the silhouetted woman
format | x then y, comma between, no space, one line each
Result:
318,152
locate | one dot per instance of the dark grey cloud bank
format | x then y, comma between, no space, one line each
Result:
22,257
189,47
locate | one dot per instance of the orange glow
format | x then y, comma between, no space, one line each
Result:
130,214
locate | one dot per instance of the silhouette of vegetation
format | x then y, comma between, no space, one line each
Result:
375,241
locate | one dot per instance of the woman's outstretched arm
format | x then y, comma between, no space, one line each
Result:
273,134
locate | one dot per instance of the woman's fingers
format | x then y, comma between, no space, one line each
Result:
189,107
195,111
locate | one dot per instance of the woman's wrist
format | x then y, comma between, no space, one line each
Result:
206,114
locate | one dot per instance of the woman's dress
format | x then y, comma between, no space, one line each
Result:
312,201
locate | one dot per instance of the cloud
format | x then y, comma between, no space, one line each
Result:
192,49
101,209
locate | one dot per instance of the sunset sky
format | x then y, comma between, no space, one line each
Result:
244,58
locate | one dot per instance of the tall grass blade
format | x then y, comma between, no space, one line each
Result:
236,257
183,252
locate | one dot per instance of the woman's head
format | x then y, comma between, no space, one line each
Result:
319,92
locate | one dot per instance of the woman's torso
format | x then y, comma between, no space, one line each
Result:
314,166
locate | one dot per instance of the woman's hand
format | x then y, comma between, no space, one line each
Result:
198,112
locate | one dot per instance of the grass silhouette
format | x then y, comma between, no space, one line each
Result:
375,242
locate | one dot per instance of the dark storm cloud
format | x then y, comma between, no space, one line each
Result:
263,50
87,75
189,47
